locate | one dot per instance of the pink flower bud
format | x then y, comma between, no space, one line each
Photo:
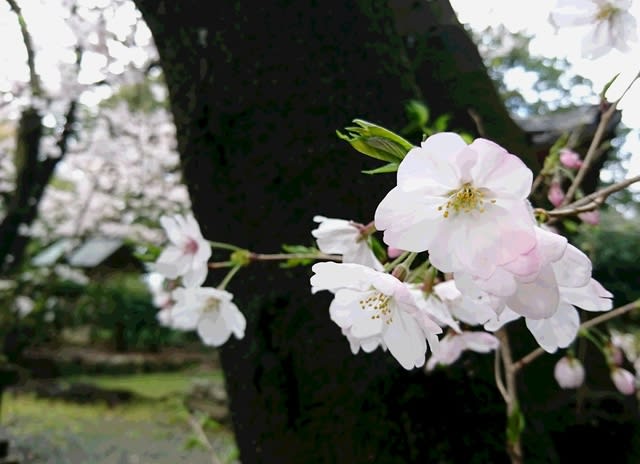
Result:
555,195
590,217
394,252
570,159
569,373
624,381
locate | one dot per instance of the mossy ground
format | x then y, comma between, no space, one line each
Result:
153,429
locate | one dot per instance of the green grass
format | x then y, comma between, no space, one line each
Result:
154,429
153,385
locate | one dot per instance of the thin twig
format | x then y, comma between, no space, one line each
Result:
498,376
514,447
36,89
587,203
533,355
593,147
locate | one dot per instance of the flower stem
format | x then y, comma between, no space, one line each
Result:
228,277
223,246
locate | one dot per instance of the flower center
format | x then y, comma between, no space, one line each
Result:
191,247
211,305
466,199
379,305
606,12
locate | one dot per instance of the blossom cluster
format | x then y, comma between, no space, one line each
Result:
191,306
466,206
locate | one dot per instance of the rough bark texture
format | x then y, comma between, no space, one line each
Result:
257,91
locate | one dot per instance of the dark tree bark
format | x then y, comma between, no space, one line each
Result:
257,91
32,177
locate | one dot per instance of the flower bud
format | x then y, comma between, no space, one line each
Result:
624,381
590,217
570,159
555,195
569,372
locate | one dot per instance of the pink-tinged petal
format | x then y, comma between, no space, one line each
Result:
212,329
591,297
333,276
500,283
497,239
196,276
203,252
498,321
538,299
557,331
551,246
573,269
480,342
502,173
172,263
400,213
405,341
429,169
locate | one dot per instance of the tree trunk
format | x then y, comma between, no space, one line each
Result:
257,91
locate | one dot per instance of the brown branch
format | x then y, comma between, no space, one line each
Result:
533,355
592,152
36,88
587,203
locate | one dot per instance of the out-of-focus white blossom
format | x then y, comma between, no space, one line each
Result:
187,254
209,311
610,24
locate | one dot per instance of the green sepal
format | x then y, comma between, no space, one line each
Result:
376,141
298,249
391,167
240,257
607,85
378,249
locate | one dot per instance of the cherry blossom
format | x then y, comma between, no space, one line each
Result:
188,252
590,217
561,328
452,346
530,285
375,305
459,202
610,24
344,237
209,311
569,372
